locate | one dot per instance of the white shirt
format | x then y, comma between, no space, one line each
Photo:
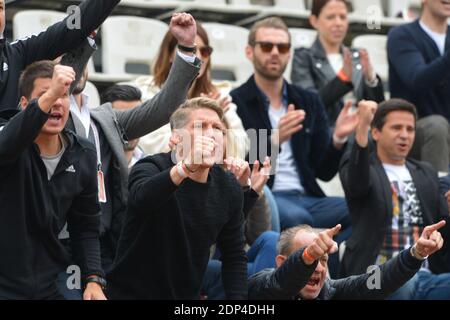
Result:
336,61
438,38
287,177
83,112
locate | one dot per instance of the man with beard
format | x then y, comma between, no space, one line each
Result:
297,124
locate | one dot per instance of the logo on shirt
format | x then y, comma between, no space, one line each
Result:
71,169
5,66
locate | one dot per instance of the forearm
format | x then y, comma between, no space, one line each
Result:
156,112
153,191
84,233
355,171
334,90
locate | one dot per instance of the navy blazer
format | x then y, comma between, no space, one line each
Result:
417,71
314,152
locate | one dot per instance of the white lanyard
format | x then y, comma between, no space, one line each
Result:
97,145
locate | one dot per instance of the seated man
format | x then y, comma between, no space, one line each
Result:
302,268
47,177
292,120
176,212
392,198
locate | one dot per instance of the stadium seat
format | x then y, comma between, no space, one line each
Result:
365,7
300,37
229,44
130,44
32,22
376,47
289,4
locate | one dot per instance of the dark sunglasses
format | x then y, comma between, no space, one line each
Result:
267,47
205,51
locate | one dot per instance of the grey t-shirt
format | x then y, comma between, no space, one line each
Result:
51,162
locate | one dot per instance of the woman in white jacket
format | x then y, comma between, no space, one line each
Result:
158,141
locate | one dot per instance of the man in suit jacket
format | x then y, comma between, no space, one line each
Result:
392,198
419,71
111,129
297,124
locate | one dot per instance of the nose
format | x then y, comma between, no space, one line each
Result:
275,50
320,268
404,133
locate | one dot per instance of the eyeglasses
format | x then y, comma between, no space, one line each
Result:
206,51
267,47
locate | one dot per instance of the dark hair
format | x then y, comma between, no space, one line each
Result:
41,69
121,92
162,65
271,22
317,6
391,105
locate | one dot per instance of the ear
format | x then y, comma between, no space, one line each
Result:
375,134
313,21
23,102
249,52
279,260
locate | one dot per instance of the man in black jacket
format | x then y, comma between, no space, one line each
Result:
302,268
295,122
47,177
48,45
177,212
392,198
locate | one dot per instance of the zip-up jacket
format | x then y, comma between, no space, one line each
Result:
34,209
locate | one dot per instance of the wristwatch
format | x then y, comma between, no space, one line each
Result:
188,49
96,279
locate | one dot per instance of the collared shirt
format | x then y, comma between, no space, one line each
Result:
83,112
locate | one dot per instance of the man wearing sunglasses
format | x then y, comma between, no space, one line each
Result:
298,129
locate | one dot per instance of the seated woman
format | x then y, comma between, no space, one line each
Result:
330,68
158,141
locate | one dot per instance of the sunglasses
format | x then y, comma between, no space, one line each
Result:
205,51
267,47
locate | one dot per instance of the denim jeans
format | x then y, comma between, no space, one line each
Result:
274,214
261,256
296,209
425,286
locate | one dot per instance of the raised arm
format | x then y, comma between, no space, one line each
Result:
67,34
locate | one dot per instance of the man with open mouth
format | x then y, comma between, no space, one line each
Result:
47,177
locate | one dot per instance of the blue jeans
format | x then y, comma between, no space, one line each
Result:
261,256
425,286
274,214
296,209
